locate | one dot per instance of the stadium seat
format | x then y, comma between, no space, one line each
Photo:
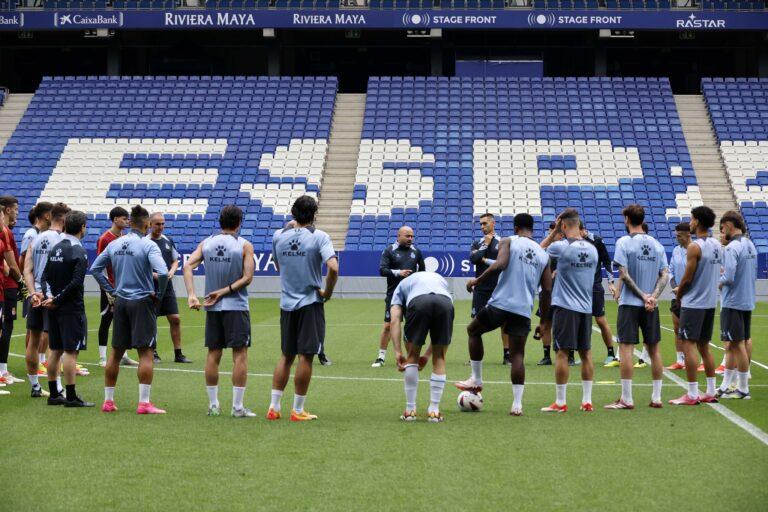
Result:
184,145
738,108
438,152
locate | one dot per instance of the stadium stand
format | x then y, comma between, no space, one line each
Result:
182,145
739,112
454,148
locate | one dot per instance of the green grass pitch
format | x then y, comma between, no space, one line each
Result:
359,456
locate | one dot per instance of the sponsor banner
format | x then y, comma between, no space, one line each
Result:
366,264
386,19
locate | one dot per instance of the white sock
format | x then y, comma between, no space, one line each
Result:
41,358
711,384
727,379
58,385
277,395
382,354
213,395
681,358
102,352
411,385
144,390
656,393
109,394
3,368
586,391
560,393
298,403
693,390
237,397
744,382
33,381
477,371
644,356
517,396
626,391
436,386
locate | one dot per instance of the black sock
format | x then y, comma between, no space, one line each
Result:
71,395
53,388
177,352
547,352
506,353
610,352
570,355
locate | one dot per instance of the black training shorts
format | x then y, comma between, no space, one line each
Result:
429,314
227,329
571,330
302,331
696,324
37,319
491,318
134,324
480,299
735,324
633,319
67,330
168,304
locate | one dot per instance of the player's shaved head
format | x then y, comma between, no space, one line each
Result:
405,236
156,216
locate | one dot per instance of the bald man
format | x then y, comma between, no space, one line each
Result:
168,307
398,261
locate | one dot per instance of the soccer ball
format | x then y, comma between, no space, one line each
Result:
470,402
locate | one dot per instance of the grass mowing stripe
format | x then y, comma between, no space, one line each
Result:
758,363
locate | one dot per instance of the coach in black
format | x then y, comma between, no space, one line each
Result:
397,262
62,282
168,307
482,254
598,294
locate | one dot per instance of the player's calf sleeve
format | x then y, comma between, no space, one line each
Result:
411,385
436,387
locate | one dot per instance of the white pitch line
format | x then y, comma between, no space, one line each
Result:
758,363
728,414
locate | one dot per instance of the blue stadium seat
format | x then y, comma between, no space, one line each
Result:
184,145
434,135
738,108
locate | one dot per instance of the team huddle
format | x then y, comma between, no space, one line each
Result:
562,272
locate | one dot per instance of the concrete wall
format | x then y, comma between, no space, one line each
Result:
356,287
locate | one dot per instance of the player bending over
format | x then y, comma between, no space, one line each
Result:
133,259
63,280
429,310
642,266
576,260
524,267
737,301
697,295
229,265
300,253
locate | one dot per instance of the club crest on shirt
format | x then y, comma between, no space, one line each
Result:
57,258
646,253
221,255
294,248
124,251
582,263
529,257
